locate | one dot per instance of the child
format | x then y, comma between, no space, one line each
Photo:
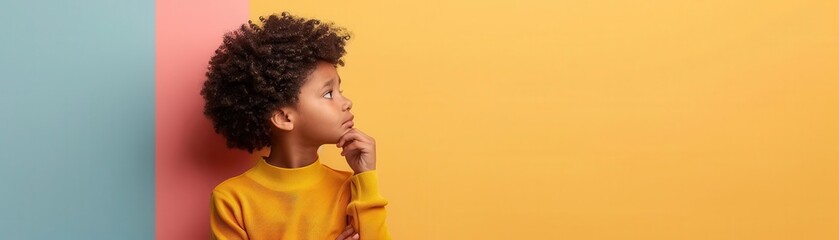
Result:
276,86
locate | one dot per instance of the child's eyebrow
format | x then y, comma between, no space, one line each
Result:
330,82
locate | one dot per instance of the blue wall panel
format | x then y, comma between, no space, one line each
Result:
77,120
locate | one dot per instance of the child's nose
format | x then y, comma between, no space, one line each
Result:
347,105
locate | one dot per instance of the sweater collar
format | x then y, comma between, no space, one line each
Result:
280,178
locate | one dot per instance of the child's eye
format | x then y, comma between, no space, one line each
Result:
329,93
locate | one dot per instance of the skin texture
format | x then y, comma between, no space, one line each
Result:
348,233
259,68
267,87
321,116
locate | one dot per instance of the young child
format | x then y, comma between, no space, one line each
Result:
276,86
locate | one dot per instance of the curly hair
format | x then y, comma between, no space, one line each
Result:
258,69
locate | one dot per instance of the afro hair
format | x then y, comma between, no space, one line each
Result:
258,69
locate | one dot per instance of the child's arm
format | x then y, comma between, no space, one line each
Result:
367,206
223,223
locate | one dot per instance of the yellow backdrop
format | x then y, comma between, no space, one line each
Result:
596,119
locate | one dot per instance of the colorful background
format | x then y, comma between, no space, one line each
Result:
494,119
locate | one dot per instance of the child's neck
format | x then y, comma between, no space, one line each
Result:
289,154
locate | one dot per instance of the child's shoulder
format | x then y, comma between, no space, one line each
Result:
337,173
230,184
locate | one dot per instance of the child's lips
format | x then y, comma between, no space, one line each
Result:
350,121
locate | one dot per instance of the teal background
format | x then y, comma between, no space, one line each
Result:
77,119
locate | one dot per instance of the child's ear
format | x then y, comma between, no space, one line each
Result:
283,119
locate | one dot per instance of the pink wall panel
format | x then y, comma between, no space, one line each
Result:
190,158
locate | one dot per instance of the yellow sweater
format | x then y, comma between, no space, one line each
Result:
310,202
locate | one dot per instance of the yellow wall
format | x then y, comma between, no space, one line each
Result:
596,119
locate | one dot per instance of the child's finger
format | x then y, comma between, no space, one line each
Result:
351,136
353,237
343,139
346,233
353,147
365,136
349,148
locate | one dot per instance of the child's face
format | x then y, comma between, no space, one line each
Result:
323,112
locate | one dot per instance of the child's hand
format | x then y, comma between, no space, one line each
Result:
359,149
348,234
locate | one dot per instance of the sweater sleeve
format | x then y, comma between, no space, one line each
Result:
224,213
367,206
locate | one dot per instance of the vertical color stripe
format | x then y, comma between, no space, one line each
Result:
191,158
76,139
